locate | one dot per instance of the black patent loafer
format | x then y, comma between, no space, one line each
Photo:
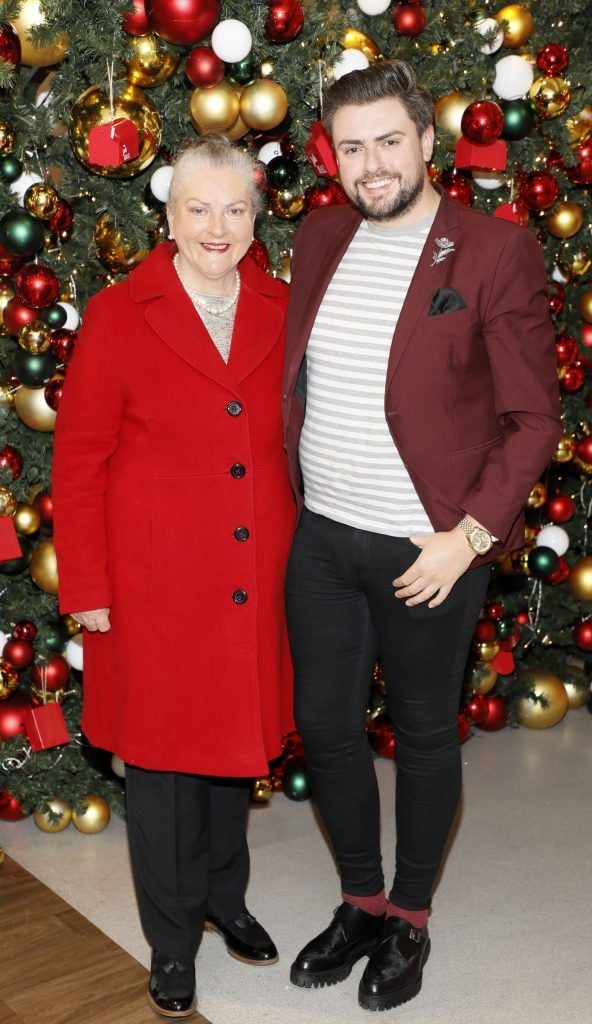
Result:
246,940
394,971
171,989
330,956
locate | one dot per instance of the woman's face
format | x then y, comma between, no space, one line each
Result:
212,223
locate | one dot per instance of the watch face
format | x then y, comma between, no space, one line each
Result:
480,541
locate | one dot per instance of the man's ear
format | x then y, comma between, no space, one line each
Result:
427,143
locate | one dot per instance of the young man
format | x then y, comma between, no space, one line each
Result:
421,405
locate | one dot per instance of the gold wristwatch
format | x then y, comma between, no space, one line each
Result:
480,540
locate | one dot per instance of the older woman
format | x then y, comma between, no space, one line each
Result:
173,518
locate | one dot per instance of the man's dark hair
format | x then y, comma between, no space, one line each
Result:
385,79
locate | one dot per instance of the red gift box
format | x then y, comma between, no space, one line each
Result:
319,151
113,143
9,545
491,157
45,727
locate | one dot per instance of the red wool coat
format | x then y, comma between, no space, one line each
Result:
162,454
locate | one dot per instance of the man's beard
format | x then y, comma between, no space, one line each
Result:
405,199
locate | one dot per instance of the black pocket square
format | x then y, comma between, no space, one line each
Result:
446,300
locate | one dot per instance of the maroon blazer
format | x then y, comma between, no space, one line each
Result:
471,396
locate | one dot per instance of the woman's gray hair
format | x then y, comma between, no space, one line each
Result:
216,151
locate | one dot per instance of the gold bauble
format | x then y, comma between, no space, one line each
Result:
266,68
565,449
33,410
95,817
285,269
215,109
93,108
70,625
6,294
537,496
27,520
519,27
47,696
44,567
544,684
237,131
8,502
550,96
263,105
585,306
579,127
261,790
9,679
580,579
356,40
151,63
30,16
116,254
61,807
577,696
580,263
286,203
487,650
565,220
35,337
7,393
448,111
486,681
41,200
519,559
6,137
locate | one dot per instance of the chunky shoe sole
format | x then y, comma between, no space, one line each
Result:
208,927
317,979
189,1012
392,999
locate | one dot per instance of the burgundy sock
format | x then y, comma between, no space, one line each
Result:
375,905
417,918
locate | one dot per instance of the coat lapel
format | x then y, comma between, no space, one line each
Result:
259,320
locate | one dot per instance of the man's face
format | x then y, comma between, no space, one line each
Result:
381,158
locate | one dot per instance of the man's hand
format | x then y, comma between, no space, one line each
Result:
98,619
444,558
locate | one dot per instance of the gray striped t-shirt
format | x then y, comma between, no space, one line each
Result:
351,468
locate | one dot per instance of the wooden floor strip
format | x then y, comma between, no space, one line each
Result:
57,967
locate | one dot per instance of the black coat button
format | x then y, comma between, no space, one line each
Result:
241,533
240,596
237,471
234,408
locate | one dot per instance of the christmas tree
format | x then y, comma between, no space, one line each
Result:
97,96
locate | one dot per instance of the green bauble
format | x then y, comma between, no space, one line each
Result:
20,233
56,637
505,628
10,168
241,73
295,783
518,119
542,562
55,316
34,368
15,566
282,172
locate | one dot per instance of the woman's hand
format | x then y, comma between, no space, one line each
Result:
98,619
444,558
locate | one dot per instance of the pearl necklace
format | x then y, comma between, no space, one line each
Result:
197,297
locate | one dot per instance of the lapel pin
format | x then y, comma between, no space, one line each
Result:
444,248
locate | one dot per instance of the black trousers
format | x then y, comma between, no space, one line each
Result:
342,614
188,851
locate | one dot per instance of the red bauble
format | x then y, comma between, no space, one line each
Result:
522,617
457,187
12,712
52,676
10,809
580,174
284,20
484,631
16,315
539,190
183,22
11,458
477,709
381,737
586,330
582,634
19,653
559,507
552,59
497,714
259,254
288,147
44,505
203,67
584,449
62,344
10,45
293,745
136,22
573,378
494,611
482,122
25,630
408,19
515,212
566,349
325,193
37,285
556,297
9,263
61,222
464,728
54,391
561,573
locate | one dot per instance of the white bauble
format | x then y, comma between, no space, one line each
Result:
118,766
559,275
4,637
485,25
73,652
349,60
554,537
372,7
489,179
22,183
72,316
269,152
513,78
160,183
231,40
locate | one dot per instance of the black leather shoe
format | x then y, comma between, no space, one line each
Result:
330,956
246,940
393,972
171,989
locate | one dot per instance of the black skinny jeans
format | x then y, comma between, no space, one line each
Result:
342,614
